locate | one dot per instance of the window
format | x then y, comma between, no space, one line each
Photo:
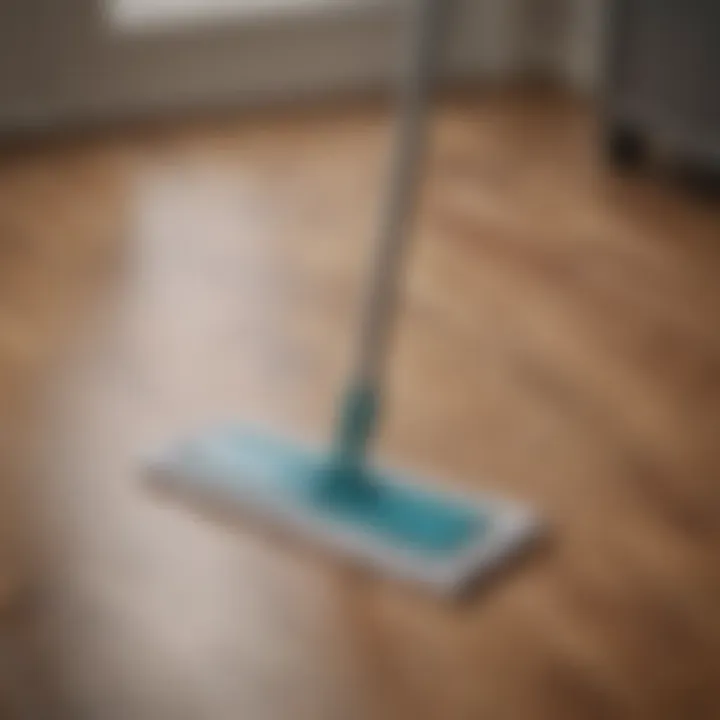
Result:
157,13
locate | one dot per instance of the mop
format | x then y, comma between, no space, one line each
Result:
392,521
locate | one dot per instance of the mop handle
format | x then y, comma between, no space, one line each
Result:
394,231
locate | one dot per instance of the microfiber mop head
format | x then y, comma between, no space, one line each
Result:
390,521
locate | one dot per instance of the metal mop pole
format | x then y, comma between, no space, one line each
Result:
360,411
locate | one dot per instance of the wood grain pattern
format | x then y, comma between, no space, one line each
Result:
559,343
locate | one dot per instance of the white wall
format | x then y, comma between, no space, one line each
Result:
62,60
563,40
584,26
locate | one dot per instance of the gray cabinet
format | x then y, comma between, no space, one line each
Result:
663,78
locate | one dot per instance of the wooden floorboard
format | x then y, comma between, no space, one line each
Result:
559,343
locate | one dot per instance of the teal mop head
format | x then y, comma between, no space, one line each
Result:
393,522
